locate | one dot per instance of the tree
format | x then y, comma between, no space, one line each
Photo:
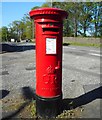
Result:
0,34
28,26
70,24
4,33
21,29
46,5
74,13
15,27
85,18
36,7
97,18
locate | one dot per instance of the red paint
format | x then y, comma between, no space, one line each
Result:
48,24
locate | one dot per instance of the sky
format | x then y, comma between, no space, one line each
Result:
12,11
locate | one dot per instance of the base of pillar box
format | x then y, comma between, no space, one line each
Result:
48,107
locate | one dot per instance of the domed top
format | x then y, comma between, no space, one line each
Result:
48,11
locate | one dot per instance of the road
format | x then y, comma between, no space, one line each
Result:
81,78
81,64
81,74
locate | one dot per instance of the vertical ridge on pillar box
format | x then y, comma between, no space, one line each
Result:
49,27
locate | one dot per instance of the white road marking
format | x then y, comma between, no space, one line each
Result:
71,48
95,54
94,51
77,57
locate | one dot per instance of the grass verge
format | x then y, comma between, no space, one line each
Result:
83,44
29,111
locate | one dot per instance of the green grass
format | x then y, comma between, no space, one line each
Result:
83,44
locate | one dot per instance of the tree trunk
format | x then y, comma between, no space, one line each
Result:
95,29
75,25
84,28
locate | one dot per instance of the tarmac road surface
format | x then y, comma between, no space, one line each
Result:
81,75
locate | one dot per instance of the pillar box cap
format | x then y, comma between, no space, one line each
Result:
48,11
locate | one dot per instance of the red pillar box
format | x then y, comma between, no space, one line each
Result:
48,30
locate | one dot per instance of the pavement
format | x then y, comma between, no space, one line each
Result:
80,83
